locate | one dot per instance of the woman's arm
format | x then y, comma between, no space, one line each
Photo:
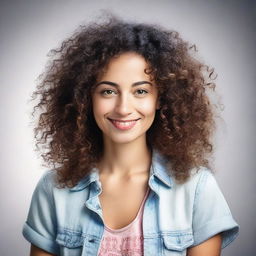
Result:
211,247
35,251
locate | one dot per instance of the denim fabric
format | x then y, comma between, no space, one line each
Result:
69,221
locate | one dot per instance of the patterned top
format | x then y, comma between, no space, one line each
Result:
125,241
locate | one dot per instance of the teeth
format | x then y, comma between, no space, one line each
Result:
124,124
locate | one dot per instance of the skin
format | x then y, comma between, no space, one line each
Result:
125,92
35,251
210,247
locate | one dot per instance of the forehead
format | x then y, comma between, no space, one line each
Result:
128,65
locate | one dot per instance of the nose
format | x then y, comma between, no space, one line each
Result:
123,105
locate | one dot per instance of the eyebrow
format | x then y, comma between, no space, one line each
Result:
116,85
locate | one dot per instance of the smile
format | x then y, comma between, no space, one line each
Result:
123,124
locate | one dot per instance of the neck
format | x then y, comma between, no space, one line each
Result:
125,159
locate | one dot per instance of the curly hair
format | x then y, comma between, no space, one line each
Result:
66,129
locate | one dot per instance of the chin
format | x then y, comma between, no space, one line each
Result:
125,139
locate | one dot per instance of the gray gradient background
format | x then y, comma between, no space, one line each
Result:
224,32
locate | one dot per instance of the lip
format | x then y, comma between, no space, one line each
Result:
123,124
119,120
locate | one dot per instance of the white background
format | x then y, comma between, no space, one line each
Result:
224,32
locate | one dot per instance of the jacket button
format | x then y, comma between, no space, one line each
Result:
91,240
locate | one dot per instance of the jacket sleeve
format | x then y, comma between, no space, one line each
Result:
211,213
40,227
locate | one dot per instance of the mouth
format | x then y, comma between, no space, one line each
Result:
123,124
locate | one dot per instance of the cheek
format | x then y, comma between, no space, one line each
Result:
148,107
101,107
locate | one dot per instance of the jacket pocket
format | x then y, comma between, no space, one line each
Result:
70,242
176,244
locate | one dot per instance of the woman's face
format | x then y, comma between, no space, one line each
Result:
125,99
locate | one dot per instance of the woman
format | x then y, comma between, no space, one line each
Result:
128,125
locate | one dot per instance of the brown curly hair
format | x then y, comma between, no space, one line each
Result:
66,129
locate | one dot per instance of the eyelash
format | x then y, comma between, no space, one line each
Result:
142,90
105,92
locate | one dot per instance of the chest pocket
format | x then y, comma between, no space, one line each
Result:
70,243
176,244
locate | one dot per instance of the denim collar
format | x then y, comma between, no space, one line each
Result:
158,169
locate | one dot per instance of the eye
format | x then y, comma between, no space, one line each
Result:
141,92
107,92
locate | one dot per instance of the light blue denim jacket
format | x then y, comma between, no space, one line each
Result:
69,221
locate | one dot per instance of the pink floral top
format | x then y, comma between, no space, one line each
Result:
125,241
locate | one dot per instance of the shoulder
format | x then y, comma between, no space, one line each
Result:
48,180
177,202
198,205
196,180
162,168
187,191
200,186
49,187
44,188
